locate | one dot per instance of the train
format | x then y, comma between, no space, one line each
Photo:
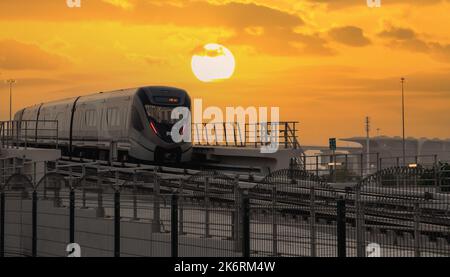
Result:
135,123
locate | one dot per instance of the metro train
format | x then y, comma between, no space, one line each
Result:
135,122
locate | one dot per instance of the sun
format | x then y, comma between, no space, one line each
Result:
212,63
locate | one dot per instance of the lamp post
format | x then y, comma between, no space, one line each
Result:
11,82
403,120
368,146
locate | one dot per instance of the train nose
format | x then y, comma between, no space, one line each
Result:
168,155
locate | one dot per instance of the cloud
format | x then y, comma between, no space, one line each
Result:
147,59
349,35
124,4
404,38
266,29
398,33
313,44
408,39
33,82
339,4
440,51
436,84
16,55
232,14
283,42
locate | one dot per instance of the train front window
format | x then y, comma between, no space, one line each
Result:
160,114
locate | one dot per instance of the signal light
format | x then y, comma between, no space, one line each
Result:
152,125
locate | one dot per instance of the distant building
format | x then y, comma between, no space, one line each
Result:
392,148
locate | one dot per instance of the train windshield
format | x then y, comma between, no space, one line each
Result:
160,114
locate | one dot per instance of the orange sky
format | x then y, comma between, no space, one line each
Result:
327,64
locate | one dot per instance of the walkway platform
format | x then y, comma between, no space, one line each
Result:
30,154
246,157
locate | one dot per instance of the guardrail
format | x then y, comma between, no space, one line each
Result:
23,133
246,135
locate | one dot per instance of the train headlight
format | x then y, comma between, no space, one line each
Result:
152,125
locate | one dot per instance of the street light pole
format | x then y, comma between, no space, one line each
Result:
403,121
10,82
368,146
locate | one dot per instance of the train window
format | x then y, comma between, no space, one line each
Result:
90,118
160,114
166,100
59,118
113,117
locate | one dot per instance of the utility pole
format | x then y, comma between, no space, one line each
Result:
368,145
11,82
403,121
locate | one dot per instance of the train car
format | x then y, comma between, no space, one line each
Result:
135,122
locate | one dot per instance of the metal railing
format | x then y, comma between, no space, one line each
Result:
246,135
23,133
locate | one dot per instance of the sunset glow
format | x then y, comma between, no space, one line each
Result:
313,58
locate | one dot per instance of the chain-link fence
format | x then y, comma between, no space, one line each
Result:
146,212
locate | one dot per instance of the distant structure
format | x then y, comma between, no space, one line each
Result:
392,146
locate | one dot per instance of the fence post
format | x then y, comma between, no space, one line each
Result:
274,223
416,161
174,225
2,223
180,204
361,165
206,207
237,217
286,139
17,135
117,222
34,225
56,197
341,235
378,161
26,135
100,209
3,178
135,202
83,185
72,215
317,166
346,171
156,209
416,230
313,221
360,241
435,167
245,225
233,226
